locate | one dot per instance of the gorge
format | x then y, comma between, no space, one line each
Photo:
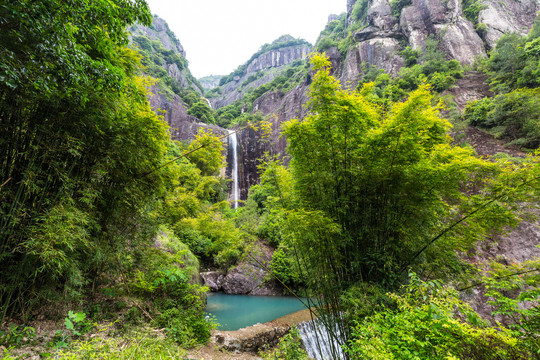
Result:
387,173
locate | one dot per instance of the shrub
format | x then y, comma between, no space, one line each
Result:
429,321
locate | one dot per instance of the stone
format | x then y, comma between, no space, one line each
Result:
251,276
445,21
508,16
213,280
182,125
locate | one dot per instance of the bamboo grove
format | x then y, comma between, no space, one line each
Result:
375,193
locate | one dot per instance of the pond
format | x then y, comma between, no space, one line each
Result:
234,312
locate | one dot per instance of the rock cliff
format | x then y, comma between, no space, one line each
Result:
182,125
164,57
377,37
262,68
159,32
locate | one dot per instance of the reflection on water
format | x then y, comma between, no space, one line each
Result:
234,312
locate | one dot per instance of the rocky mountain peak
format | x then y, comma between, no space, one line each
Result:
159,30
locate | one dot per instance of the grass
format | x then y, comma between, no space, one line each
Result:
137,344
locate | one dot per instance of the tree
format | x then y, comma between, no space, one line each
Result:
376,189
76,137
202,111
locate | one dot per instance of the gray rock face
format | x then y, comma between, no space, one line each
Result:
251,339
213,279
381,52
248,278
182,125
508,16
270,63
252,147
234,91
279,57
445,21
160,31
379,15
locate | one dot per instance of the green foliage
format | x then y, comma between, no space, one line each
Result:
514,293
338,160
476,112
428,321
166,280
514,62
471,9
359,11
77,323
202,111
409,55
289,348
378,190
433,68
251,78
211,159
77,136
514,117
141,345
336,34
16,335
428,66
398,5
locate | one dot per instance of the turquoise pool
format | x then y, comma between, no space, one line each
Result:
234,312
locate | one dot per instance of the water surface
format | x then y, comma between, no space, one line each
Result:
234,312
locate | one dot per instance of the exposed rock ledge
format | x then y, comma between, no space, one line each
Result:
258,337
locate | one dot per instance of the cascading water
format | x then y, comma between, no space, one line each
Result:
233,145
317,341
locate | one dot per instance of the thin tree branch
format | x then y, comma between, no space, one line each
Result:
498,278
465,217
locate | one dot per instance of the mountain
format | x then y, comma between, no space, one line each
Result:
177,95
399,38
271,61
210,82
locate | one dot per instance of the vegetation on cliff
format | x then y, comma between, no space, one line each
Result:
514,76
105,220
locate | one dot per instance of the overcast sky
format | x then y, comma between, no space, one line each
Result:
220,35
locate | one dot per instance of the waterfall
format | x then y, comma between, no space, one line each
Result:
233,144
317,341
209,103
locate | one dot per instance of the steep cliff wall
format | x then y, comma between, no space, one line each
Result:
261,69
502,17
382,33
172,61
164,58
182,125
374,34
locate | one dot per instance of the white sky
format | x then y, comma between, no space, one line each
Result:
220,35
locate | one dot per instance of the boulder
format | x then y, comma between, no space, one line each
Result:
250,277
509,16
213,280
